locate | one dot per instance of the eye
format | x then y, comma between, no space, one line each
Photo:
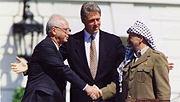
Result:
91,20
98,19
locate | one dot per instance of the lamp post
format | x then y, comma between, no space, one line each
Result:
26,32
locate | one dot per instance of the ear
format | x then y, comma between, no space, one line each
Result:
83,20
143,39
53,32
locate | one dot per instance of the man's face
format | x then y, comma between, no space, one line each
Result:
92,22
134,41
62,32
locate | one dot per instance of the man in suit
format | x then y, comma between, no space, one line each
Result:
47,73
145,77
109,53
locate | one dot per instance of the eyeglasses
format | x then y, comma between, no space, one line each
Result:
66,30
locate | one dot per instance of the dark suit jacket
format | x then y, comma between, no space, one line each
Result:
47,75
111,53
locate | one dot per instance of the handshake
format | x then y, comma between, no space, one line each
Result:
93,91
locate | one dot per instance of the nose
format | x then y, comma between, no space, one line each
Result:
68,33
95,22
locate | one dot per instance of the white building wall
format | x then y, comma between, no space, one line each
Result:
117,16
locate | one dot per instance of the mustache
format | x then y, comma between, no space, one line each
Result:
95,27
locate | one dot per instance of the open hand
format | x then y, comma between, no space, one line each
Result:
19,67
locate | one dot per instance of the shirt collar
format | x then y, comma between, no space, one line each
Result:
141,52
87,35
56,45
144,50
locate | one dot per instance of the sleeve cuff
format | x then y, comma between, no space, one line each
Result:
85,87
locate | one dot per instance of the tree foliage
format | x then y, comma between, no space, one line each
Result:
18,94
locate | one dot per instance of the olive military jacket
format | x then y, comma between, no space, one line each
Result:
147,78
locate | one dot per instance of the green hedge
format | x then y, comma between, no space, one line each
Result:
18,94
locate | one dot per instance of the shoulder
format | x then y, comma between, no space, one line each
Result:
158,56
47,42
109,35
77,34
157,53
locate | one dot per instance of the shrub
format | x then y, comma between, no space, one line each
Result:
18,94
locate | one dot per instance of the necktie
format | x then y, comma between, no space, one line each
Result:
137,55
93,58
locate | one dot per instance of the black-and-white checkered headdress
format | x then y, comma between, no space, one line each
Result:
140,28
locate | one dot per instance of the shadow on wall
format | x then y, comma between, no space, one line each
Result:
9,80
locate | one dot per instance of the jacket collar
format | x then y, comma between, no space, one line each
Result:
143,57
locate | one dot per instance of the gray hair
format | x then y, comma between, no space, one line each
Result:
51,23
88,7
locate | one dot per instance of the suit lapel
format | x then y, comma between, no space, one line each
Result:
143,58
51,42
80,50
54,47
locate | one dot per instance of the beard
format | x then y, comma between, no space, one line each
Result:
135,45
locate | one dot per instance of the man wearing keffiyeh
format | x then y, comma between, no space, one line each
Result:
145,70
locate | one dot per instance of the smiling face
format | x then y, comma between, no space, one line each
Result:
92,22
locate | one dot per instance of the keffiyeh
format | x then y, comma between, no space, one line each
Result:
140,28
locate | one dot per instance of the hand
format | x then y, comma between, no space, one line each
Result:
170,65
93,92
19,67
97,95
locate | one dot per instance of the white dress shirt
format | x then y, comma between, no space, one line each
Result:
87,41
142,51
56,45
